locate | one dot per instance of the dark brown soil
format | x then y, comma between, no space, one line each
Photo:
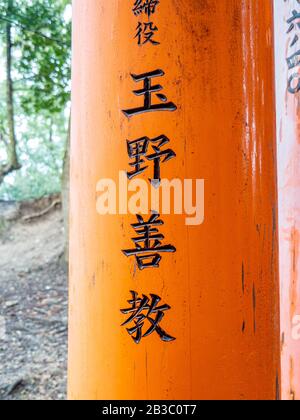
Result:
33,310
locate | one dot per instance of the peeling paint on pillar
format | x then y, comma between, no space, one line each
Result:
222,283
288,142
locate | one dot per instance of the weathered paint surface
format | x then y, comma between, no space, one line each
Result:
222,283
288,139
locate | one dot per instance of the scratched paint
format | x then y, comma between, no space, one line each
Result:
288,144
222,283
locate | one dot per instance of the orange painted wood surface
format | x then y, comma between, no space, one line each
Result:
222,283
288,142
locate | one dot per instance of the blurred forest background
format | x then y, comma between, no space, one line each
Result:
35,55
35,39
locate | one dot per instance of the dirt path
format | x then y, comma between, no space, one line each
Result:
33,310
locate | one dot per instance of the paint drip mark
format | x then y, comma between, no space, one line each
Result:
254,307
243,327
243,290
282,341
278,391
243,278
274,219
274,239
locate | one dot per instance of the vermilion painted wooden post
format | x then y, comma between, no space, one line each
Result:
214,62
287,19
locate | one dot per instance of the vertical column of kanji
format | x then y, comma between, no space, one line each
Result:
287,30
164,304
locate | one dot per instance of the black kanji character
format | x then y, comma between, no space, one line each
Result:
148,243
147,92
138,149
145,6
292,87
292,25
145,33
143,310
294,60
292,19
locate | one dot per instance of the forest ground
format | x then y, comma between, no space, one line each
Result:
33,306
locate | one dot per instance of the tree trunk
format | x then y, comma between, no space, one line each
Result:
12,157
65,192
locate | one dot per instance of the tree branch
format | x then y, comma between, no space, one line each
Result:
6,170
25,28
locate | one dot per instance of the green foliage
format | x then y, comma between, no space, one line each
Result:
45,60
41,76
41,154
42,41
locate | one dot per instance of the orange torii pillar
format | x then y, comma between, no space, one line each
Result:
210,291
287,35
